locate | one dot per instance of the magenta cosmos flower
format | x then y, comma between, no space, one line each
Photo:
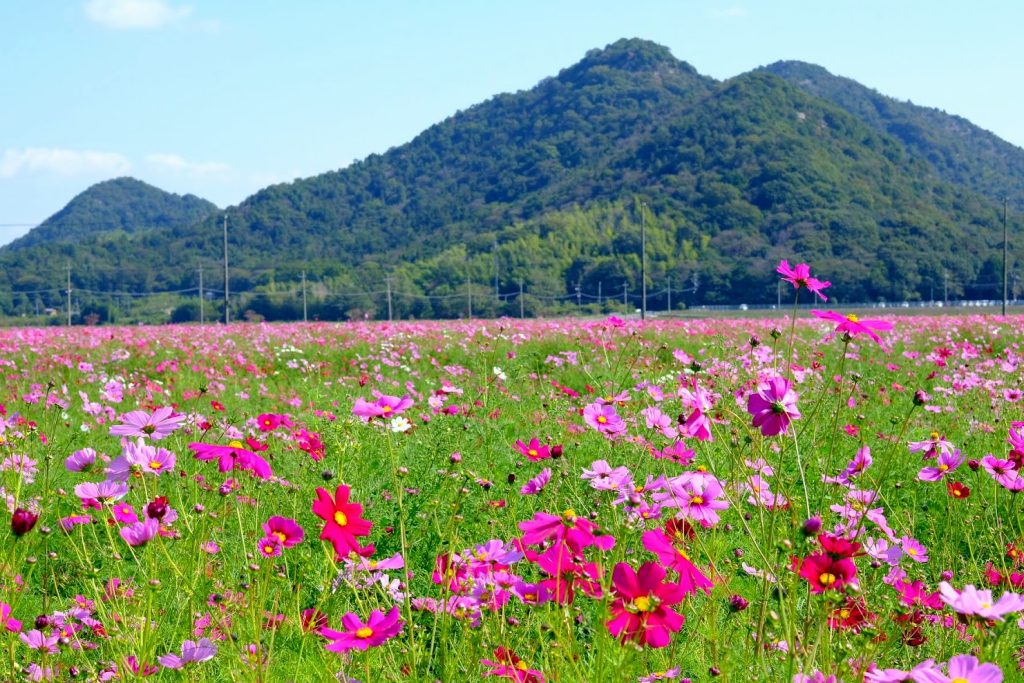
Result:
642,608
773,406
286,530
976,603
140,533
947,462
854,326
231,457
534,450
155,426
800,277
359,636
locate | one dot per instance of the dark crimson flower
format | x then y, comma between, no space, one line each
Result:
158,508
22,521
958,490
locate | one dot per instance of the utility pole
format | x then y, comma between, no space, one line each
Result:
643,260
469,298
945,287
497,292
625,302
579,299
202,303
599,283
669,293
1005,252
521,307
227,311
305,318
69,293
387,281
778,294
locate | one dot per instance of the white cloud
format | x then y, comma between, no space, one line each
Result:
135,13
60,161
174,162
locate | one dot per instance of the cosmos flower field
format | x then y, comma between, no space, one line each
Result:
831,499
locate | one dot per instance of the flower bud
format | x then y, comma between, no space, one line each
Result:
737,603
556,451
812,526
920,398
22,521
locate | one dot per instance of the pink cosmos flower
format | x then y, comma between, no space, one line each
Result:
37,640
773,406
161,423
384,407
914,549
963,669
603,477
642,612
192,652
140,533
378,629
270,546
854,326
698,401
231,457
976,603
947,462
537,484
1003,472
286,530
103,492
81,460
604,419
654,418
578,532
800,276
697,495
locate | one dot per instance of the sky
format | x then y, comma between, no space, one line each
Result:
220,98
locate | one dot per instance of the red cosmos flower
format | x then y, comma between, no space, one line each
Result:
642,605
510,666
344,521
691,579
800,276
232,457
852,614
958,490
853,325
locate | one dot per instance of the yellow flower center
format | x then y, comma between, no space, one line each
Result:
236,444
844,614
364,632
340,518
601,419
943,468
643,604
959,679
702,468
683,553
696,500
934,436
569,514
827,579
155,465
912,552
532,452
268,549
853,318
281,536
529,597
386,409
521,665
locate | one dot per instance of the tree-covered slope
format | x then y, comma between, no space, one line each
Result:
957,150
121,205
547,186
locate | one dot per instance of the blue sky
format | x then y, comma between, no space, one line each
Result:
221,98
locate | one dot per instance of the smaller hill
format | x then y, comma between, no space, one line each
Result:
122,205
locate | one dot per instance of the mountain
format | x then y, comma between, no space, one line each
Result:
121,205
956,150
549,187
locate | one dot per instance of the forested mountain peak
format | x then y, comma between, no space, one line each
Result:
123,205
